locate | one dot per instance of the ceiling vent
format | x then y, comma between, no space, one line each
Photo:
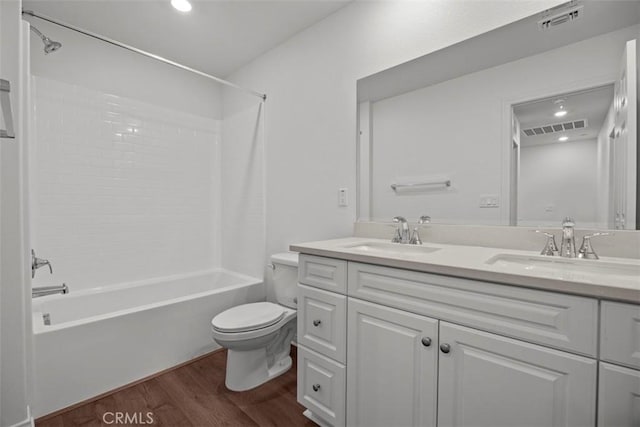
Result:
553,19
556,127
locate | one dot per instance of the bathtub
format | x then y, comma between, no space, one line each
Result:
104,338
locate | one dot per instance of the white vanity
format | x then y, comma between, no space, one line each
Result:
446,335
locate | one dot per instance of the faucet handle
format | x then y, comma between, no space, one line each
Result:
550,247
36,263
586,250
424,219
399,219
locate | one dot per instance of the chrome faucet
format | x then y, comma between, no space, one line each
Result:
36,263
415,237
49,290
402,232
568,245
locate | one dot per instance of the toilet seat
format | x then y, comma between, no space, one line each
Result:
248,317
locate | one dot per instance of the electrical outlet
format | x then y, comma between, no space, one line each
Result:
343,197
489,201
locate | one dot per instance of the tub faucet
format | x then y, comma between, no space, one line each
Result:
568,245
402,232
49,290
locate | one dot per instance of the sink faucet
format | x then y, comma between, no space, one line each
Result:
568,245
402,232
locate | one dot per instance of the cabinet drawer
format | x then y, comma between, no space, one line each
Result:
321,386
324,273
557,320
322,321
620,335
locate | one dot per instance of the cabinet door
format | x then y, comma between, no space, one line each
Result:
392,367
619,402
493,381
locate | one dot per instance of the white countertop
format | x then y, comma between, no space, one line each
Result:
471,262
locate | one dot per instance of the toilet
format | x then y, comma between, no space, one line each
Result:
258,335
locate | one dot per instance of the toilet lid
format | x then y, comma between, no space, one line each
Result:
248,317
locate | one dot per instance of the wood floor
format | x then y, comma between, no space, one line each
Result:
194,395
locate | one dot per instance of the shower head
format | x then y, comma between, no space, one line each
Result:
49,45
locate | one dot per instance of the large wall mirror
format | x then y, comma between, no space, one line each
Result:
523,125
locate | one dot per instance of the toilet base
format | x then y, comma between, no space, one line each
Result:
248,369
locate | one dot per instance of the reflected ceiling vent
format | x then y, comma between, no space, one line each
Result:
554,17
556,127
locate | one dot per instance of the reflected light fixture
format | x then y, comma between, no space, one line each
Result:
561,111
181,5
563,138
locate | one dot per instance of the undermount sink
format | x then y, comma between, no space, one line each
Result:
381,248
564,265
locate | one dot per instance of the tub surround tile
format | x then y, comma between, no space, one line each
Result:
122,190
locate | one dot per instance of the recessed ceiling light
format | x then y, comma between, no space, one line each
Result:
561,112
563,138
181,5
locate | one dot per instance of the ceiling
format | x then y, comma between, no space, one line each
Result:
216,37
592,105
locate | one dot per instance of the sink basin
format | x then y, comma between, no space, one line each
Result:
565,266
394,249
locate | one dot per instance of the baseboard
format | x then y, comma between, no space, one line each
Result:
102,395
28,422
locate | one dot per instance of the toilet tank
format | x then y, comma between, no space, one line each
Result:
285,278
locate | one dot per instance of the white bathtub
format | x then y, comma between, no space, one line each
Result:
104,338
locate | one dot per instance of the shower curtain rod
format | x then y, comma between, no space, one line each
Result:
142,52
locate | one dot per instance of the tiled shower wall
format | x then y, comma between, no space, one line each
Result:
120,190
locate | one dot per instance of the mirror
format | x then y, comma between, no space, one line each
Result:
469,134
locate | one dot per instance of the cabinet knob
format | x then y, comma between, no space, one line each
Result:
445,348
426,341
316,387
317,322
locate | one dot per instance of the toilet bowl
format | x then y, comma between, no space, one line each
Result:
258,335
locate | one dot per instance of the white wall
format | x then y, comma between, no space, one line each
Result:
562,176
15,300
310,81
243,204
121,190
90,63
455,129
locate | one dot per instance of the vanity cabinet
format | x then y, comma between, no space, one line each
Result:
490,380
619,388
430,350
393,360
322,339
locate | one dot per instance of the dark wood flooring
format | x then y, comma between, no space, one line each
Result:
194,395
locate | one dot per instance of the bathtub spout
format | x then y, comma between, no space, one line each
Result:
49,290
